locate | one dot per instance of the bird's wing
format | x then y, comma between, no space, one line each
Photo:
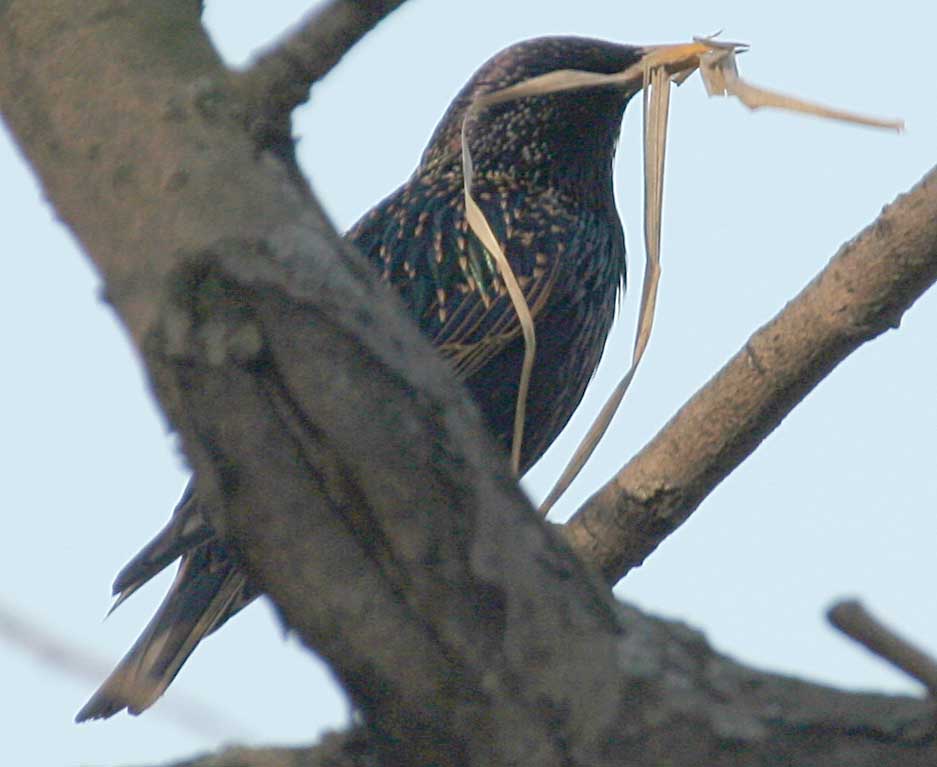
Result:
419,239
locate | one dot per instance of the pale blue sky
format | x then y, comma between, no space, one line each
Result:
839,501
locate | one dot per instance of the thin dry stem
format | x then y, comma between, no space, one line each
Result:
721,78
479,225
656,109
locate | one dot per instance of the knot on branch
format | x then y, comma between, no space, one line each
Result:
207,317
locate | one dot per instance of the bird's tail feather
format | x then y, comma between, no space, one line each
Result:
203,596
186,530
209,588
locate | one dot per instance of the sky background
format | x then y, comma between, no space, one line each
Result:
839,501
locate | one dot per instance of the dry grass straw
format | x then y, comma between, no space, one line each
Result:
658,65
479,225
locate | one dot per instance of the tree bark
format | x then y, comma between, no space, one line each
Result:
344,464
701,708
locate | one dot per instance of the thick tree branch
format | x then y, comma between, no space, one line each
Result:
345,465
702,708
866,288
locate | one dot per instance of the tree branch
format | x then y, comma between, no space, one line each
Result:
280,80
701,708
340,459
866,288
858,624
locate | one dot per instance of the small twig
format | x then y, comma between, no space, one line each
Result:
279,81
853,620
64,657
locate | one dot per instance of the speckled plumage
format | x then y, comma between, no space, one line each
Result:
543,177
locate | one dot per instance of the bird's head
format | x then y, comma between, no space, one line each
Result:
564,139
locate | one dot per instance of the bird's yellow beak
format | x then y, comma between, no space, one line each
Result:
679,58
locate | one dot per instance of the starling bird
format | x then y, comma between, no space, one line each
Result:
543,178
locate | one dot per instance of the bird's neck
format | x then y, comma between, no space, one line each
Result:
560,144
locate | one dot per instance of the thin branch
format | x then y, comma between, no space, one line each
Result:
65,657
279,81
852,619
864,291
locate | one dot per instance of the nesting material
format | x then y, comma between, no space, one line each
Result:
716,62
